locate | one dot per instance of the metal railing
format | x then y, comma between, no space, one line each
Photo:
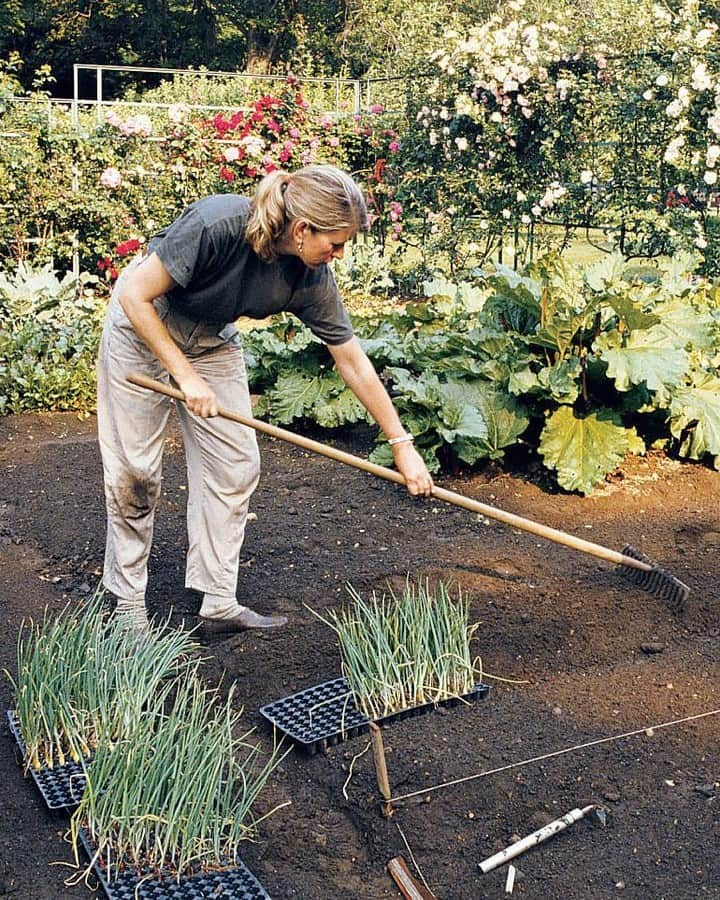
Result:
348,93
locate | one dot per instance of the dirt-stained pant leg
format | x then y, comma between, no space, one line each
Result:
222,457
131,431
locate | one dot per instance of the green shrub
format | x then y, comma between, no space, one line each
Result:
49,335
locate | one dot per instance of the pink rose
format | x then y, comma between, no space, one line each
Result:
111,178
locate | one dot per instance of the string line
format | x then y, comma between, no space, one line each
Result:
534,759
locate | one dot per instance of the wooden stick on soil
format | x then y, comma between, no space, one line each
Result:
381,773
410,888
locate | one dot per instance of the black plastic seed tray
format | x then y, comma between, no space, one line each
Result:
236,883
62,786
326,714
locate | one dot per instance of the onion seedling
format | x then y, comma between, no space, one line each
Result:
400,652
83,680
176,798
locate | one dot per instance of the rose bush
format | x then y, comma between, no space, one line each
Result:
124,177
521,125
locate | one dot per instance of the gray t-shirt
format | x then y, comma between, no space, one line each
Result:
219,277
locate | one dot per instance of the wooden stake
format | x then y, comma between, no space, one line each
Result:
410,888
381,773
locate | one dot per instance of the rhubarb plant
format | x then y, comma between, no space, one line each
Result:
581,365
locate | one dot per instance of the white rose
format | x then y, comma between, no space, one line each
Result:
586,176
672,151
703,37
714,123
701,80
710,177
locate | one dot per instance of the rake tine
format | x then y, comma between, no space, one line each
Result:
655,580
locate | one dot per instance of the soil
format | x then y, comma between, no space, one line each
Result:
574,654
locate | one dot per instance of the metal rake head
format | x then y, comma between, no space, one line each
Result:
656,580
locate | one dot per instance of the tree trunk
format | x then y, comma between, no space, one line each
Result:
260,52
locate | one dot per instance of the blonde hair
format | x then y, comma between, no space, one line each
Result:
323,196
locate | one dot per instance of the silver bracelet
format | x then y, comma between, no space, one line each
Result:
401,439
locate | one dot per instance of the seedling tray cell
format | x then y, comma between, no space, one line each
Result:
62,786
326,714
236,883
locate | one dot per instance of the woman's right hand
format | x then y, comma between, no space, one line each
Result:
199,397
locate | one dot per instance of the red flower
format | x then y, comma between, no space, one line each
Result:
220,123
127,247
226,174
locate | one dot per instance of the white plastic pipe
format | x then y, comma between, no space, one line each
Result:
510,882
537,837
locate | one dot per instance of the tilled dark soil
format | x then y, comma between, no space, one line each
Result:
574,653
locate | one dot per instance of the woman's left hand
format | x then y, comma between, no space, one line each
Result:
413,469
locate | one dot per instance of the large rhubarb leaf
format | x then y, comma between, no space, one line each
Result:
342,409
515,303
459,412
385,346
676,270
324,398
561,381
601,275
583,451
293,397
421,389
686,326
492,419
695,418
648,356
631,312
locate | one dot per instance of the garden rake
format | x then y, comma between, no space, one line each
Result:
631,563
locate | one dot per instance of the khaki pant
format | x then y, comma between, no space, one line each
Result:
223,464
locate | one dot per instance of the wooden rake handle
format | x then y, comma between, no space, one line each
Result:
475,506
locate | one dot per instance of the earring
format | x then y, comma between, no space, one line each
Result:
299,246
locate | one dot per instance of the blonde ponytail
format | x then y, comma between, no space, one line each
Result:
323,196
266,223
